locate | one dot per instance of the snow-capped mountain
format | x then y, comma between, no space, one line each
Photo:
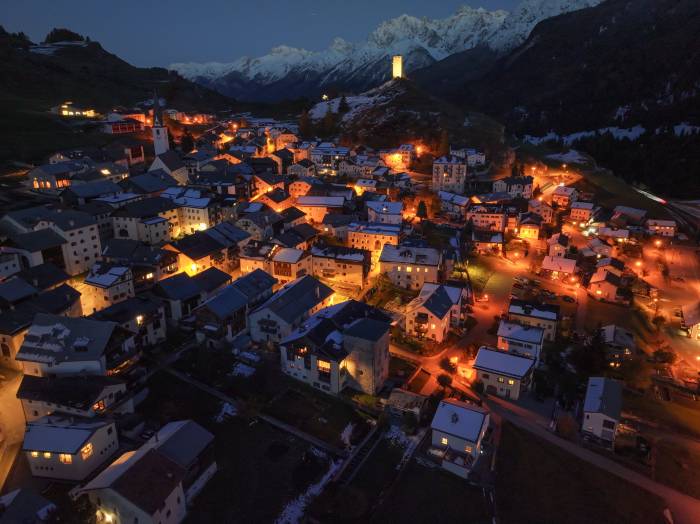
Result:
287,71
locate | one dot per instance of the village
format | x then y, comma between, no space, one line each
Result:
235,321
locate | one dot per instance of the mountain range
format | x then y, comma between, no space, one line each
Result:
289,72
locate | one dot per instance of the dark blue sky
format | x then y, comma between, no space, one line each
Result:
150,32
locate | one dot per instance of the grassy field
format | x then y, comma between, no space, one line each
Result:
540,483
431,495
668,414
318,414
677,466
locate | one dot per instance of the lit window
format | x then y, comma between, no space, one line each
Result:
501,380
35,454
443,441
47,455
86,452
99,405
139,319
409,269
511,382
65,458
324,366
149,275
468,449
432,326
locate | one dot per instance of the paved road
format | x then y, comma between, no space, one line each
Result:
685,509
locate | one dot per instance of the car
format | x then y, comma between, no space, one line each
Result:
567,298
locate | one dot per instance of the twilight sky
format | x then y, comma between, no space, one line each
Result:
157,33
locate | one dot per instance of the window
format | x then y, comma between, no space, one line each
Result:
468,449
86,452
608,424
443,441
65,458
501,380
47,454
35,454
511,382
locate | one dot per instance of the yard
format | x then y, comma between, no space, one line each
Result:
430,494
563,485
261,469
668,415
320,415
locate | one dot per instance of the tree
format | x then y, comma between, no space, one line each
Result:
305,124
328,124
60,34
447,365
444,380
665,357
343,106
422,211
187,142
444,145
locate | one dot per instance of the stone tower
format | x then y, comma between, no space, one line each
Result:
160,132
397,66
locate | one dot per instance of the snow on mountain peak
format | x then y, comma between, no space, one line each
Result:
422,39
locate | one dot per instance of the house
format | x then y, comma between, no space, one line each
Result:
529,226
545,316
558,245
605,286
257,287
449,174
264,182
156,482
372,237
664,228
520,339
293,216
515,186
81,396
58,346
200,251
106,284
303,168
172,164
581,212
611,265
624,216
287,309
435,311
345,345
619,343
342,265
316,207
182,293
601,408
196,210
364,185
541,208
487,217
690,320
148,264
474,156
151,183
560,268
283,158
385,212
52,178
402,402
151,220
458,430
67,238
121,127
221,318
302,236
289,264
503,373
453,204
564,196
277,200
80,194
68,448
142,316
260,225
487,242
410,267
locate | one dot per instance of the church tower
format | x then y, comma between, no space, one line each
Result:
397,66
160,132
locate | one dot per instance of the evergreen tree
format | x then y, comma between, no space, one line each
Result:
343,106
305,125
422,211
60,34
328,124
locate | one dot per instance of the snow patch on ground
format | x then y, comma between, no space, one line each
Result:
242,370
346,434
318,453
357,104
619,133
227,411
684,128
572,157
294,511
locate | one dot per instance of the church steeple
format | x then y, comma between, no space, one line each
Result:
160,132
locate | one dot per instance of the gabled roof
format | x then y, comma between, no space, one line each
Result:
183,441
146,208
35,241
459,419
127,310
503,363
226,302
79,392
297,298
93,189
61,434
171,160
367,329
197,245
150,182
520,332
44,275
177,287
254,283
603,395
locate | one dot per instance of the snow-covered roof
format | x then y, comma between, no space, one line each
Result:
582,205
425,256
386,208
320,201
105,275
530,309
460,419
60,435
566,191
288,255
452,198
520,332
560,264
502,362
